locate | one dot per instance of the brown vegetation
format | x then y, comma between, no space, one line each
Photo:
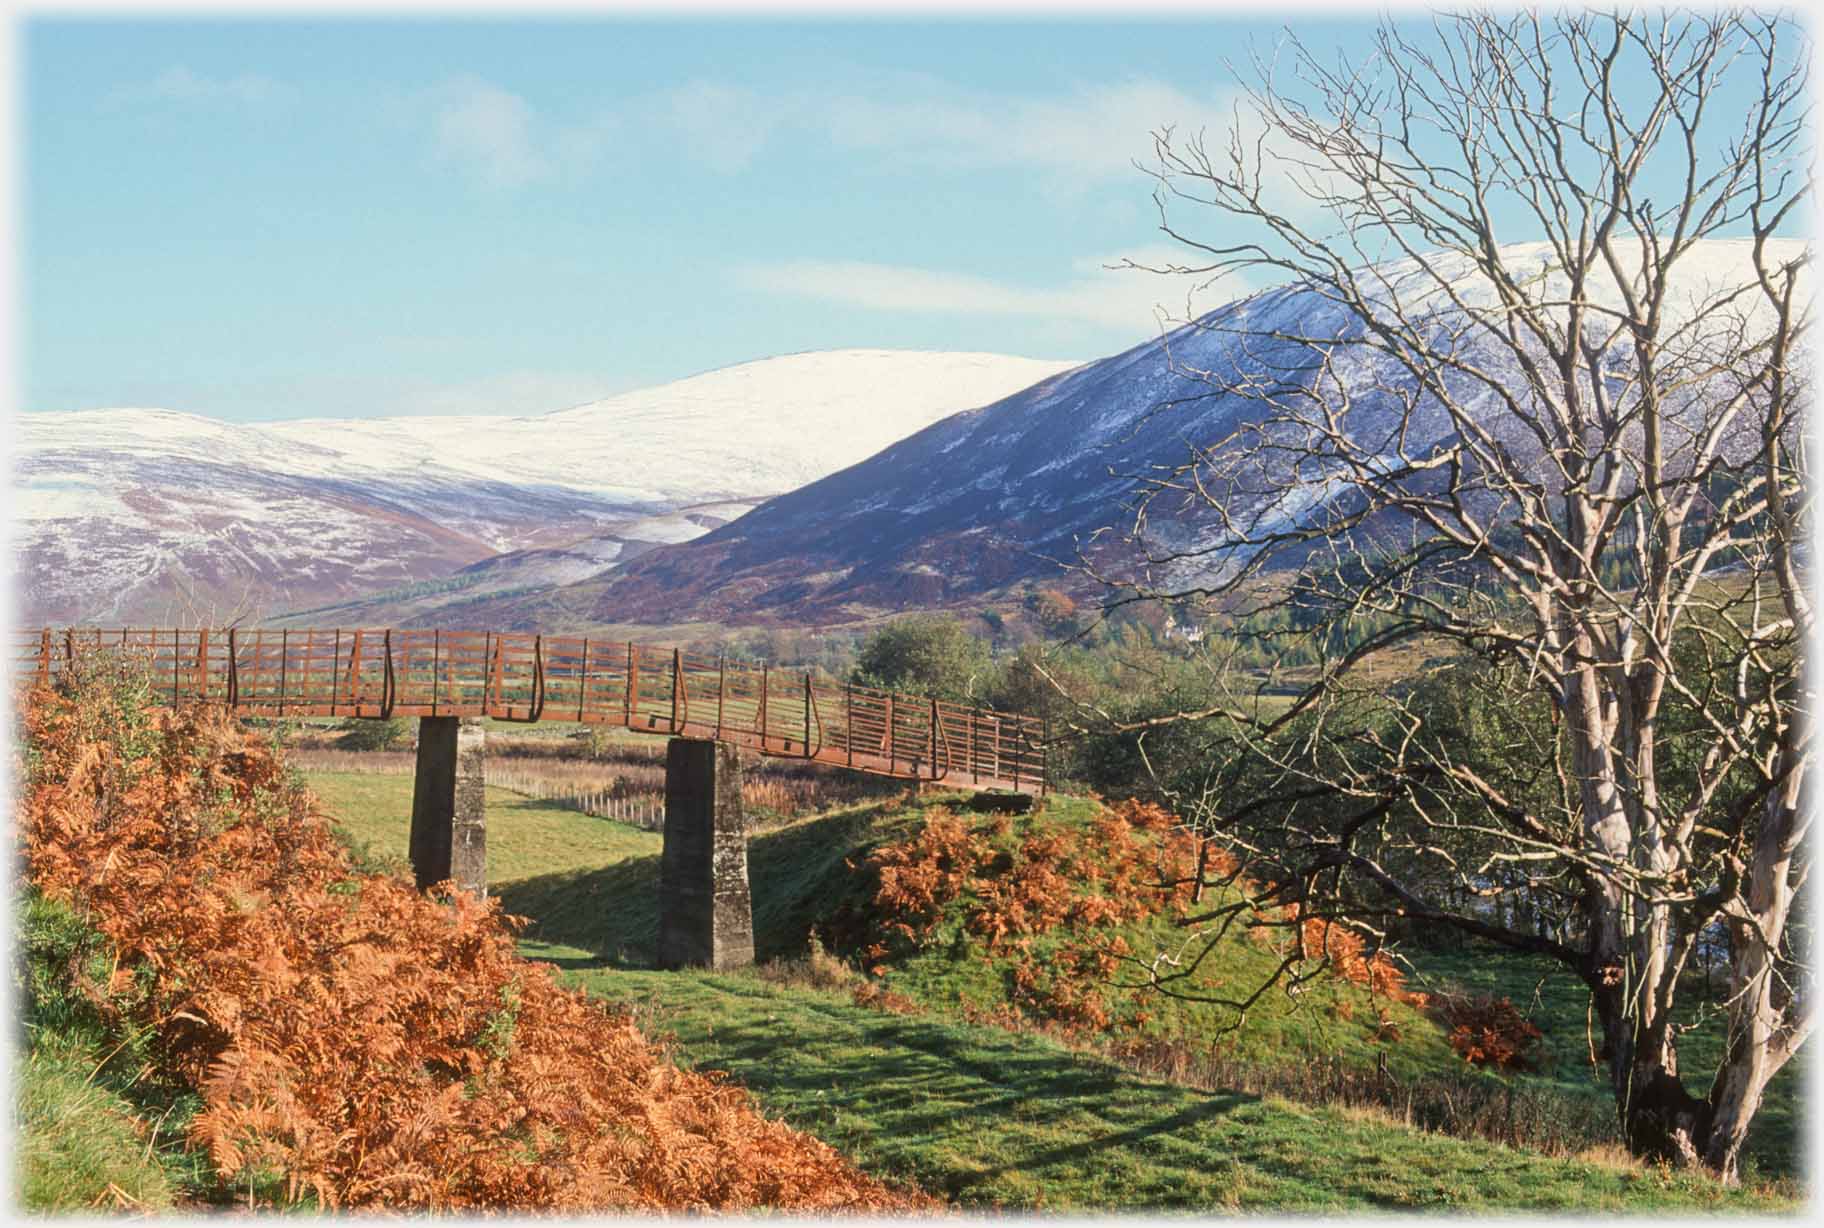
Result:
353,1040
1132,861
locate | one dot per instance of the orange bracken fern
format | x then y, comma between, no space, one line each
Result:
369,1045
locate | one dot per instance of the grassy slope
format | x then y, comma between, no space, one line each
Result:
81,1144
1558,1004
91,1134
991,1117
956,968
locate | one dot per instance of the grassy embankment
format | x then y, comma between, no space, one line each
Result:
92,1132
985,1115
1559,1006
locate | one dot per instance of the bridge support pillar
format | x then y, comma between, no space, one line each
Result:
449,817
706,914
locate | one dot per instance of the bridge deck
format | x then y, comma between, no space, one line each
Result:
526,677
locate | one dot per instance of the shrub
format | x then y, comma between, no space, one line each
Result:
1055,610
927,654
816,969
1489,1031
367,733
1131,862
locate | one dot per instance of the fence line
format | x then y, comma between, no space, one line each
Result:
641,808
528,677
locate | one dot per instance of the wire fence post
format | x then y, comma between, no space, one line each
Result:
721,690
932,756
677,684
633,683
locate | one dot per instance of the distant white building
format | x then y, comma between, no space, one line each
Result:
1183,632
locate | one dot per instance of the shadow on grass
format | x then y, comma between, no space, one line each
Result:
613,911
915,1077
970,1113
796,876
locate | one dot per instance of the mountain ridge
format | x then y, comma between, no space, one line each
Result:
981,504
151,513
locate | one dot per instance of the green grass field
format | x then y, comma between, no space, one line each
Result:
992,1118
986,1116
525,838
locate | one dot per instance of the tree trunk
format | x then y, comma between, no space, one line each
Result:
1660,1120
1741,1084
1763,1032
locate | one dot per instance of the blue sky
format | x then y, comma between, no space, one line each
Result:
268,219
277,219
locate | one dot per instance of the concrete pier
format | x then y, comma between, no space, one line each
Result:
449,816
706,915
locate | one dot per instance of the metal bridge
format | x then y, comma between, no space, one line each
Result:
514,676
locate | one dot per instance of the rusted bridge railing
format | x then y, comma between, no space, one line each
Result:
525,677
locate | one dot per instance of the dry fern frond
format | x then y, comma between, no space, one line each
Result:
360,1045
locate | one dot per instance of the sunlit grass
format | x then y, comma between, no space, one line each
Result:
992,1118
81,1145
525,838
986,1116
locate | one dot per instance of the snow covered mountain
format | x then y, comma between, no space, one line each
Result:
149,515
985,501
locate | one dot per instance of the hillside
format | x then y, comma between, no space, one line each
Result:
994,1116
127,515
997,497
1033,924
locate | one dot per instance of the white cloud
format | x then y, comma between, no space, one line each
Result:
488,131
180,84
498,137
1069,141
1132,301
722,126
1075,139
1085,136
1091,134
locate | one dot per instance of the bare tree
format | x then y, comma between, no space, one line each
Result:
190,609
1570,470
